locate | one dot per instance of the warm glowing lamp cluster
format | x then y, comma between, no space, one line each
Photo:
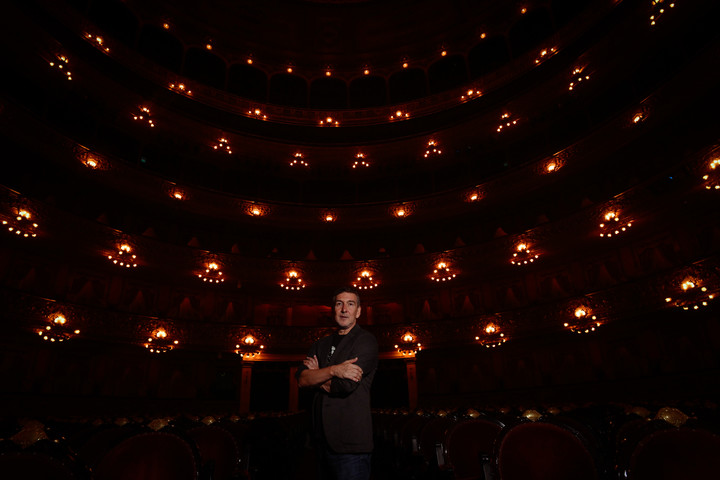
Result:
577,78
399,115
180,88
365,281
124,257
432,149
160,342
544,54
293,281
298,160
58,330
97,41
257,113
212,274
658,9
62,65
22,225
492,337
249,347
442,272
523,255
223,145
506,121
691,296
584,321
712,178
612,225
143,115
360,161
408,346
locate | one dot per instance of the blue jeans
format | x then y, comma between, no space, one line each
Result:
348,466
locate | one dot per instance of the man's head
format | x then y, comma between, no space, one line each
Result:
346,305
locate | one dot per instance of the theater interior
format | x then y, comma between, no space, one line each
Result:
525,194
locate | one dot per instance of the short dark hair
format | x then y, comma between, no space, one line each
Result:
346,290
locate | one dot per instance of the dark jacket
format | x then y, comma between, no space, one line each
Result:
345,410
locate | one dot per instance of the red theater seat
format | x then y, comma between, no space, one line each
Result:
465,444
32,466
683,453
149,456
218,446
543,451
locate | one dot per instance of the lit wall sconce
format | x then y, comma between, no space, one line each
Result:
551,165
583,320
491,336
691,295
329,216
612,225
62,64
298,160
212,274
58,330
160,342
577,78
21,224
471,93
408,346
143,115
659,8
124,257
223,145
97,41
249,347
432,150
506,121
180,88
177,193
293,281
523,255
255,209
544,54
399,115
91,160
442,272
329,122
474,195
365,281
712,178
360,161
402,211
640,115
257,113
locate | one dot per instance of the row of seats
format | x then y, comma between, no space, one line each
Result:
591,443
180,448
579,443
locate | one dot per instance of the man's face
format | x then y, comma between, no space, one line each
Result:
347,311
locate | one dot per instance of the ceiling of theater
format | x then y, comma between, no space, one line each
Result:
330,138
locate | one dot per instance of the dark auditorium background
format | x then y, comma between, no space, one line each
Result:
524,192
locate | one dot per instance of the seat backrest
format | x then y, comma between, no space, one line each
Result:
218,446
149,456
677,453
465,444
432,435
25,465
97,444
543,451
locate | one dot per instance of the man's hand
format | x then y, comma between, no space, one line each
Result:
311,362
347,369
